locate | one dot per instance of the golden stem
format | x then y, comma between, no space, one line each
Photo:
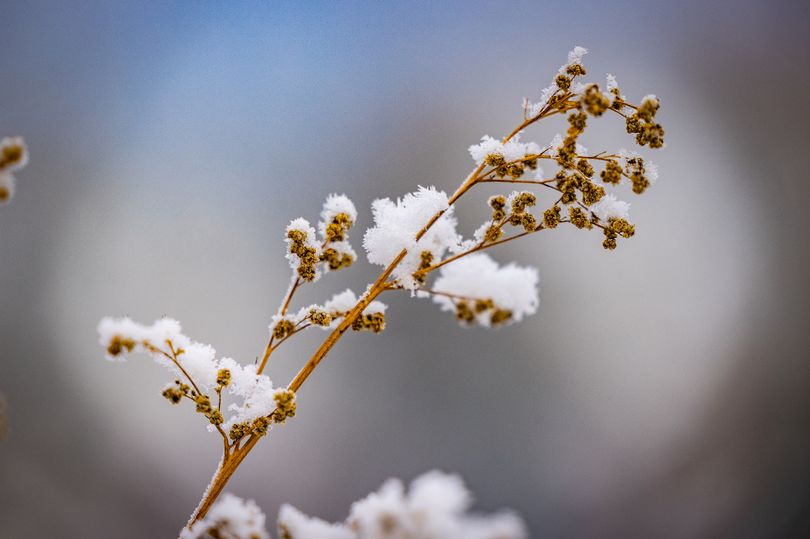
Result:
226,469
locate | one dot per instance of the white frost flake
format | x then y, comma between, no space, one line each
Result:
478,276
396,225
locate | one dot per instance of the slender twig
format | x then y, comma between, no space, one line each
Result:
527,182
433,292
173,358
290,295
599,157
479,247
282,311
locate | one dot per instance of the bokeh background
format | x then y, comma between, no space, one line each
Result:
661,391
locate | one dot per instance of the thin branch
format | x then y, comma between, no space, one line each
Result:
173,359
282,311
273,346
479,247
445,294
599,157
626,104
527,182
290,295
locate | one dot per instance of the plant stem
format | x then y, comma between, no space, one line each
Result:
225,470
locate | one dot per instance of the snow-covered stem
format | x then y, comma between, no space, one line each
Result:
225,470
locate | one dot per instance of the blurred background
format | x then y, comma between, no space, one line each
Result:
661,391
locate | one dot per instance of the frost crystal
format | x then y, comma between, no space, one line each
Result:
650,168
487,146
335,205
230,518
512,150
345,301
611,83
199,361
259,401
396,225
342,302
477,277
576,54
652,171
243,377
611,208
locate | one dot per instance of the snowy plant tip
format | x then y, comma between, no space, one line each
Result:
13,157
303,251
434,507
337,217
309,254
582,194
202,378
230,518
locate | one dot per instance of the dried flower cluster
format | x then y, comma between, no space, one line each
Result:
13,157
434,507
201,378
413,238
